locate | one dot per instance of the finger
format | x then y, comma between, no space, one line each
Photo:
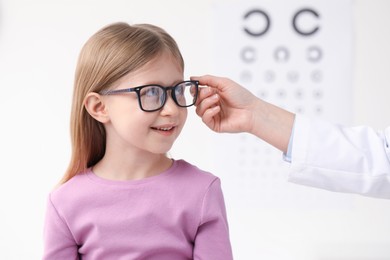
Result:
204,92
207,103
209,117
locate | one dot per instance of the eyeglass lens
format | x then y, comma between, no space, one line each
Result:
153,97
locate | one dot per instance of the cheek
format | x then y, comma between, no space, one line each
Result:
133,127
183,118
185,113
124,114
122,106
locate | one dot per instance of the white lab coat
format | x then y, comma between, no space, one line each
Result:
338,158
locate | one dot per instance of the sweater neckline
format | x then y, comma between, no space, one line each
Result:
92,176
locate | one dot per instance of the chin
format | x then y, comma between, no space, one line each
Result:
163,150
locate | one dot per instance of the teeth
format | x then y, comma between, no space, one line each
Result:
165,128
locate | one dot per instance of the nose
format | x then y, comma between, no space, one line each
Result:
170,107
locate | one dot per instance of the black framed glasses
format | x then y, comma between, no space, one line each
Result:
152,97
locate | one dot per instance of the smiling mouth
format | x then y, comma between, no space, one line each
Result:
165,129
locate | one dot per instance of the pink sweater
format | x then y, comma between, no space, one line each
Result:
179,214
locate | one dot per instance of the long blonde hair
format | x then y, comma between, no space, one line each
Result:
108,55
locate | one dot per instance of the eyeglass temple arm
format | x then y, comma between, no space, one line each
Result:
109,92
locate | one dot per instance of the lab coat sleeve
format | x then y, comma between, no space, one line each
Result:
338,158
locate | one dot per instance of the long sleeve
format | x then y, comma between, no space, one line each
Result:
58,241
212,239
344,159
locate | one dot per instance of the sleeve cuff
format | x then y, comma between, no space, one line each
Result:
287,156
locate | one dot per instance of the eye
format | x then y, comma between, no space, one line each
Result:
151,91
179,90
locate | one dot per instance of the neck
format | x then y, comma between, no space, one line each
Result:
131,165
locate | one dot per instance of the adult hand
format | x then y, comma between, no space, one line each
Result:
224,105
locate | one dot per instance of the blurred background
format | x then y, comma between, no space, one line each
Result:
39,45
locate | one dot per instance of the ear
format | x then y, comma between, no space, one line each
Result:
95,106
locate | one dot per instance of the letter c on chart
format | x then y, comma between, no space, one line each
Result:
300,30
256,32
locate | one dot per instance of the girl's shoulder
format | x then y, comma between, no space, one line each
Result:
187,166
73,188
191,172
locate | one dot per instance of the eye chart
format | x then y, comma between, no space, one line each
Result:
297,55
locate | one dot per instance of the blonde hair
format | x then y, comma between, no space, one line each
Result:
108,55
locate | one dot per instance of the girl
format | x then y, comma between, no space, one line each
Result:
122,197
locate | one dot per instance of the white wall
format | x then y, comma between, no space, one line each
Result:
372,87
39,44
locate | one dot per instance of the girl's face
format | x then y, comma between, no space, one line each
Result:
131,129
